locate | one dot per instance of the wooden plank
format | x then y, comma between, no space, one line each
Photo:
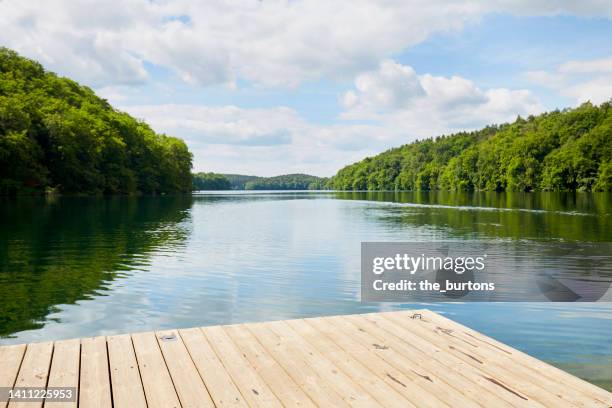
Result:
187,381
65,370
95,389
430,350
426,378
427,365
380,359
320,391
500,369
158,387
351,392
408,387
519,357
34,371
282,385
220,385
125,377
10,361
254,390
359,373
496,373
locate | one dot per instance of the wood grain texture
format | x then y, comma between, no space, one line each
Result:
157,383
389,359
127,386
34,371
10,361
65,370
95,390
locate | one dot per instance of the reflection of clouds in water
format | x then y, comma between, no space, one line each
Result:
252,258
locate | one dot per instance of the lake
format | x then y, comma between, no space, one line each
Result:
76,267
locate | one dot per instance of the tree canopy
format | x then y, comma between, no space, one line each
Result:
238,181
211,181
286,182
216,181
569,150
58,135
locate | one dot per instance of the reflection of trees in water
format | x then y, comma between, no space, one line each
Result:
558,216
61,250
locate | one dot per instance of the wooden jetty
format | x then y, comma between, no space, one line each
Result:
397,359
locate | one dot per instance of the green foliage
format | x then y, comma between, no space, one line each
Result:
238,181
57,134
568,150
114,235
286,182
214,181
211,181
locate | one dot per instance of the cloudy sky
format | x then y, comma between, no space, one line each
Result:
270,87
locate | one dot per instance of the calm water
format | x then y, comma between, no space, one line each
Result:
74,267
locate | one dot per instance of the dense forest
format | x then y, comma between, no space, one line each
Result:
569,150
211,181
58,136
216,181
238,181
287,182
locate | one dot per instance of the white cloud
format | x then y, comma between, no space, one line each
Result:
393,86
276,42
399,104
586,8
546,79
596,90
586,80
602,65
453,92
83,41
232,139
425,105
227,125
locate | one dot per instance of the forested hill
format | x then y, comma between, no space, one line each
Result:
56,135
211,181
287,182
566,150
238,181
215,181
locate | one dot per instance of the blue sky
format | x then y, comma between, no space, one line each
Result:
282,86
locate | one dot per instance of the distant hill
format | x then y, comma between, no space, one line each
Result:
569,150
215,181
58,136
287,182
210,181
237,181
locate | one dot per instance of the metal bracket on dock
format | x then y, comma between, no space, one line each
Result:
168,337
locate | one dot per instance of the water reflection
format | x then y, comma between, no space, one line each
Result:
81,267
521,216
62,250
591,203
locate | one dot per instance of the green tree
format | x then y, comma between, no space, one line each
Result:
211,181
566,150
57,134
